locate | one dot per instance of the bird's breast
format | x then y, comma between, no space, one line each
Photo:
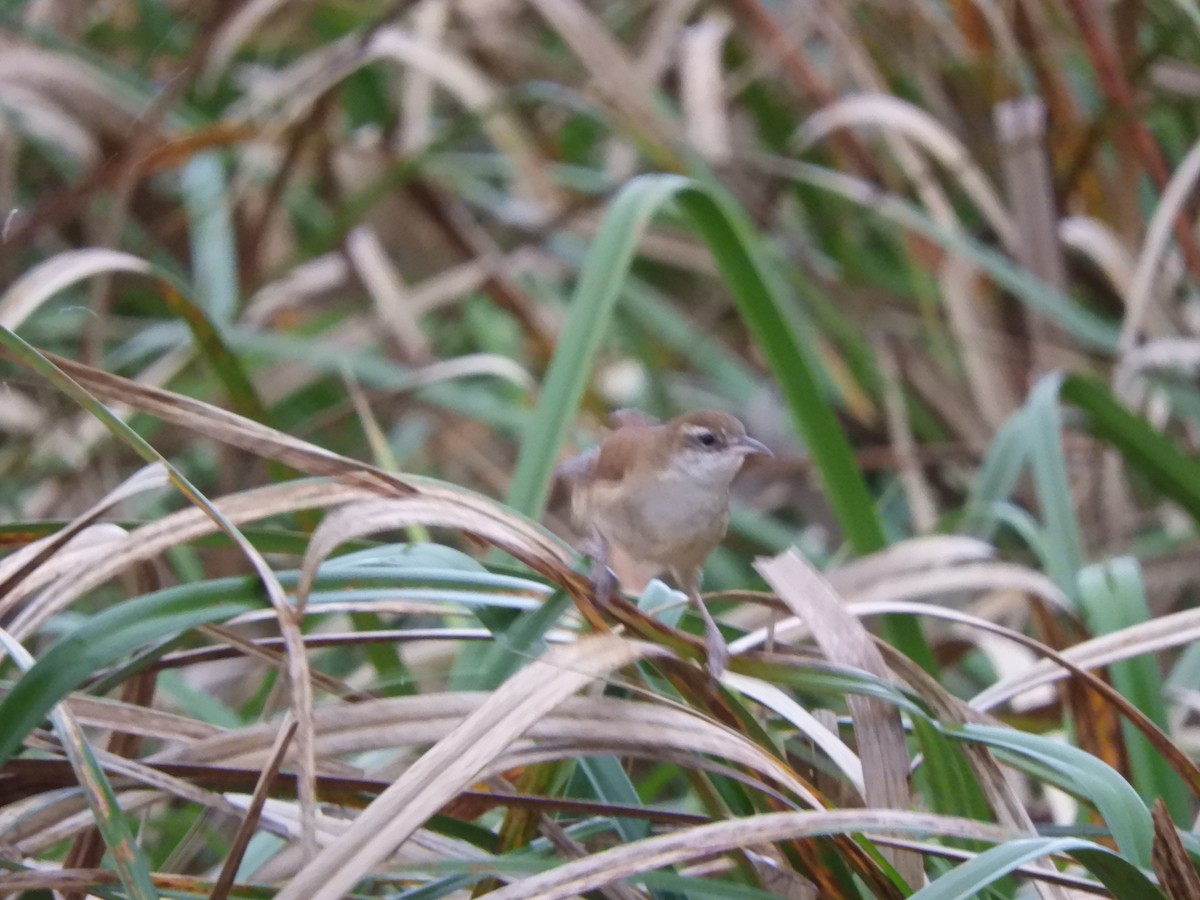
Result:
656,521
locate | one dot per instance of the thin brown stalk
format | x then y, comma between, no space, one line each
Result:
241,840
1119,93
805,78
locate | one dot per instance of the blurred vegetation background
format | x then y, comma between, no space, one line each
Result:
302,302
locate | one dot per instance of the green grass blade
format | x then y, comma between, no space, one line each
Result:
103,640
1143,448
692,888
946,778
1117,802
764,305
131,864
969,879
214,255
1084,325
611,784
205,335
1006,458
1113,598
1044,431
591,311
1032,438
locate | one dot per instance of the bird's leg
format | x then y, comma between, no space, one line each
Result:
718,650
604,581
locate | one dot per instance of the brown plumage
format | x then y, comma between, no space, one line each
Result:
659,493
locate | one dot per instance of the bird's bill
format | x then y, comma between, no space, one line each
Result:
749,445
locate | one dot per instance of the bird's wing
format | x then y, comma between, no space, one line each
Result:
576,468
622,452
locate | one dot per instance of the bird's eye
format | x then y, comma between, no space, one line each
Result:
707,438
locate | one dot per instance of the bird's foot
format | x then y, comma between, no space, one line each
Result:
718,651
604,580
604,583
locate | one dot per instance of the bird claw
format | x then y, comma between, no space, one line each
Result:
604,583
718,651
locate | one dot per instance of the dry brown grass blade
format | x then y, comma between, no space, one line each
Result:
1096,720
241,840
295,90
686,844
863,594
811,727
457,760
387,289
1188,770
1080,887
234,31
16,567
87,850
1000,791
968,313
74,439
1144,291
26,777
1021,130
295,666
128,718
878,730
80,90
229,428
45,280
65,880
299,682
938,389
706,119
1098,242
1153,636
1112,77
22,778
518,537
40,822
917,490
1172,864
20,414
300,694
456,74
974,324
890,113
580,726
109,561
417,111
782,49
38,118
1159,355
933,551
614,71
236,644
76,570
91,781
667,21
996,576
567,846
131,775
432,507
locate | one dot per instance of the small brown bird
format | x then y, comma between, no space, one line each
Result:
659,494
